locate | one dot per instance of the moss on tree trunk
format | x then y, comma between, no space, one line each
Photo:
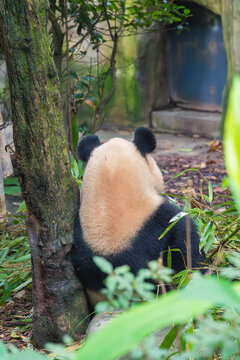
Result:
231,33
230,14
213,5
43,164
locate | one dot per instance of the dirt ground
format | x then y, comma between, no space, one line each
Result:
174,154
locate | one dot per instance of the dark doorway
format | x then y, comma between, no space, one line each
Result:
197,62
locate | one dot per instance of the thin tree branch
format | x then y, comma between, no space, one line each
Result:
69,94
222,243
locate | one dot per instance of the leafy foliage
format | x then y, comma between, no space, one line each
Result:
12,186
99,26
124,289
127,15
176,307
10,352
15,259
77,171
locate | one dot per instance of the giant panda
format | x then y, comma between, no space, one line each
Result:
122,211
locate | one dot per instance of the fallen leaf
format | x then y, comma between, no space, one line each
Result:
214,145
208,162
19,294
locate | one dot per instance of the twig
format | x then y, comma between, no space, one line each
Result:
69,110
222,243
189,249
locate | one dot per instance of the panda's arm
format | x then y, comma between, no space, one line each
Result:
176,239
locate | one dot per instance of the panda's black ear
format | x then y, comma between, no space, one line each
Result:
144,140
86,146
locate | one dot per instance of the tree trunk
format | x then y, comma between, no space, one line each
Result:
231,34
213,5
43,164
58,37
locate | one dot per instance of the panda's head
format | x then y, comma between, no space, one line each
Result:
121,189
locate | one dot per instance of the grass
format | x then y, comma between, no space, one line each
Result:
15,258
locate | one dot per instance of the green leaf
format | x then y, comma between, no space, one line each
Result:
122,269
102,306
74,131
111,283
169,258
170,338
207,234
20,259
11,181
12,190
17,241
206,197
189,330
103,264
27,355
3,253
186,11
25,283
179,216
79,182
210,192
131,327
73,74
22,207
3,351
232,139
185,149
183,279
173,222
193,169
88,78
78,96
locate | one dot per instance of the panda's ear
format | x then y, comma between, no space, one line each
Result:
86,146
144,140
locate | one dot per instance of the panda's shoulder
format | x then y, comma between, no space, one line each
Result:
167,210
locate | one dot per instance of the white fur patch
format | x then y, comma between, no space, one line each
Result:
120,191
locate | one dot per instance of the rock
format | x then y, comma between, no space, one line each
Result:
100,320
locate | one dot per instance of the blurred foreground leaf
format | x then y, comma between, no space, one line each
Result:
177,307
232,140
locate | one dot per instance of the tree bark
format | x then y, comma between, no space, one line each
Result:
43,164
58,37
231,34
213,5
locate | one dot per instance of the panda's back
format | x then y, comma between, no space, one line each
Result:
118,197
145,246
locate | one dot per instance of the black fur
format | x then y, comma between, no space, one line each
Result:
144,248
144,140
86,146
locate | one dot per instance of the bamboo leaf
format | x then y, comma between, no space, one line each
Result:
170,338
175,307
179,216
232,139
25,283
210,192
22,207
193,169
